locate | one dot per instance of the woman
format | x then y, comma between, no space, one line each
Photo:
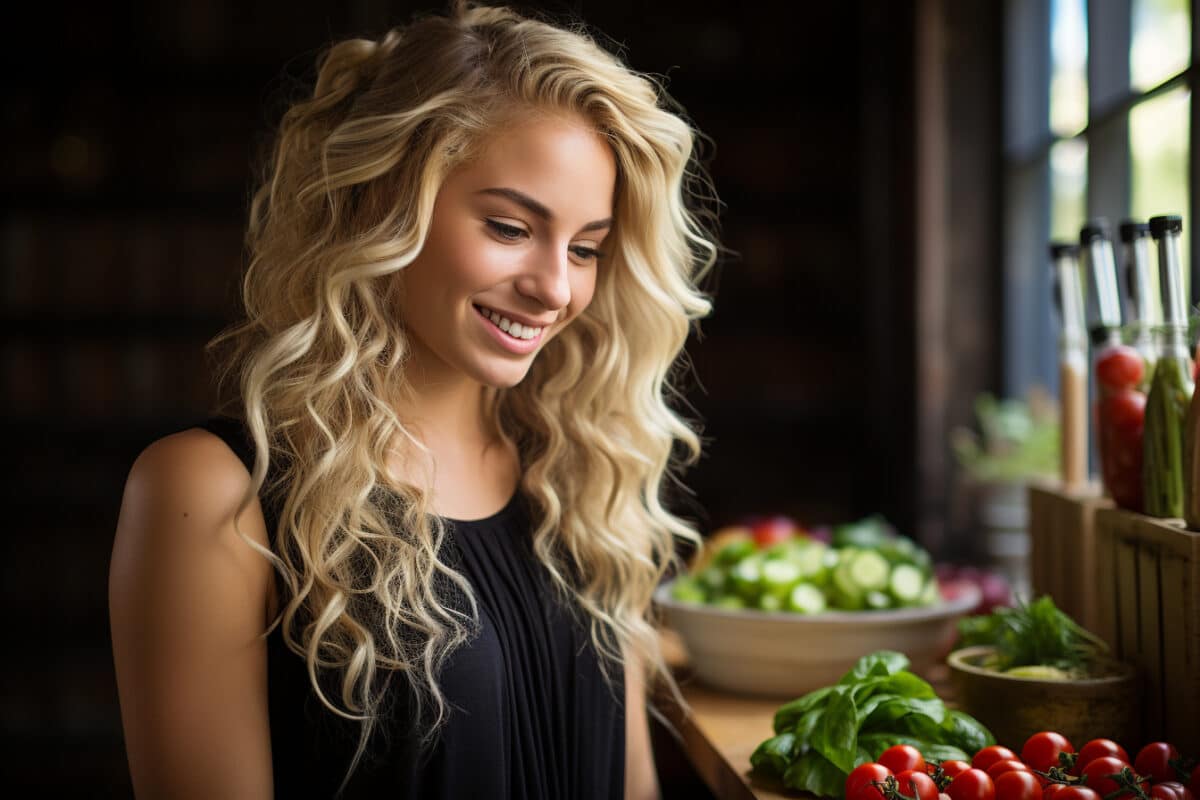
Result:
417,555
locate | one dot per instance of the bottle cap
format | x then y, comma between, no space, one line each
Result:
1133,229
1168,223
1095,229
1060,249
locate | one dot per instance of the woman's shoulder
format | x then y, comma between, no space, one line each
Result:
196,464
183,505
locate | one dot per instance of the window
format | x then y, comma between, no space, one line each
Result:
1098,123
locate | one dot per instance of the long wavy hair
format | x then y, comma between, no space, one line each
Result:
319,359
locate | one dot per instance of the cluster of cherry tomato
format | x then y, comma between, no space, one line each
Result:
1121,412
1048,768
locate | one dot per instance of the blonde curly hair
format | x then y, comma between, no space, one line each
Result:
319,360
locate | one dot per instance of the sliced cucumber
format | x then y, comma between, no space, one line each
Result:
779,575
868,570
687,589
770,602
931,595
810,558
906,584
876,599
806,599
713,579
746,576
734,552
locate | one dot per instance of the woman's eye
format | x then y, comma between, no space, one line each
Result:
505,231
586,253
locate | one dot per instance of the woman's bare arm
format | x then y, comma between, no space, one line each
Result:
188,601
641,780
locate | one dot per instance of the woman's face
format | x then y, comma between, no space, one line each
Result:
512,253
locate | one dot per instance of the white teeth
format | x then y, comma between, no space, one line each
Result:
513,329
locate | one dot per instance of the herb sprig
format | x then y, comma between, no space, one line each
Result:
1036,633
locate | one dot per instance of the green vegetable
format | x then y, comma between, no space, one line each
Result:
875,705
1164,438
871,568
866,533
1033,634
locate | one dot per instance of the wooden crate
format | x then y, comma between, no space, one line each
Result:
1062,551
1148,582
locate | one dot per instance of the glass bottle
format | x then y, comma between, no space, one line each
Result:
1145,313
1072,366
1119,369
1163,460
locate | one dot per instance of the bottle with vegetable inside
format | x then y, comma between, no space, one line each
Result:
1164,439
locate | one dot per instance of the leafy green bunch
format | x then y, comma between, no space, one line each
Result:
1036,633
822,736
1016,439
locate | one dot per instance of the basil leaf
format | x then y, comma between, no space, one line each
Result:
805,728
812,772
966,732
881,662
907,684
787,715
836,737
774,756
876,743
944,752
921,726
887,713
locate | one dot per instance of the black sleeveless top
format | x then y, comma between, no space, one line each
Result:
530,714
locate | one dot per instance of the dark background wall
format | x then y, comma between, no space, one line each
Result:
130,133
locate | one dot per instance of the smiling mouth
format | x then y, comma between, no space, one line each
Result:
513,329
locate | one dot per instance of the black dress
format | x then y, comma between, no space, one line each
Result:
531,715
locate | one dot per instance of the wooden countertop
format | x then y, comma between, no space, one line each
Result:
723,730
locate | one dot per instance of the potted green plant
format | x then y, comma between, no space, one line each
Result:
1016,441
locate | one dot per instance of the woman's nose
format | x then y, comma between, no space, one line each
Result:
546,278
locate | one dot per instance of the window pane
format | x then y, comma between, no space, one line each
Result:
1158,141
1068,188
1162,33
1068,71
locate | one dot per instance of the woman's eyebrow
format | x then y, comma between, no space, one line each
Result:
522,199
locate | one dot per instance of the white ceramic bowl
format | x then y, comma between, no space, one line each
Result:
780,654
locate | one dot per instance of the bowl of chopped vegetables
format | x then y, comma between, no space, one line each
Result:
783,616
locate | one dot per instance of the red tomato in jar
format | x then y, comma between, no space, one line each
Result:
862,775
1124,409
1041,750
1119,367
902,757
990,755
1018,785
972,784
773,530
1004,765
1152,762
1096,774
917,785
1098,748
1170,790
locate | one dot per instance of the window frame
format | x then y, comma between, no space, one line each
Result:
1028,319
